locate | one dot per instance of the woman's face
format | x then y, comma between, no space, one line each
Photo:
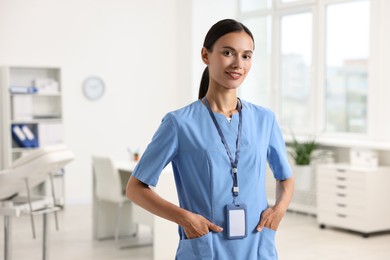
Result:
230,60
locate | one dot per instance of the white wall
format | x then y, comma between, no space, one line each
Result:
184,48
132,45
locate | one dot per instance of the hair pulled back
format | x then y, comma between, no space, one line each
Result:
217,31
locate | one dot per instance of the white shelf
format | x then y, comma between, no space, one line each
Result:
38,121
37,94
41,112
346,141
24,149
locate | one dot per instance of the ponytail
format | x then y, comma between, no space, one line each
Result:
204,83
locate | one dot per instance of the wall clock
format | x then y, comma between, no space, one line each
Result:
93,88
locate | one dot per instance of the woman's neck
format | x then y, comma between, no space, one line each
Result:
224,103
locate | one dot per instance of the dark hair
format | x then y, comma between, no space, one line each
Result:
217,31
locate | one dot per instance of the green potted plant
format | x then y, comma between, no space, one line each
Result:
302,154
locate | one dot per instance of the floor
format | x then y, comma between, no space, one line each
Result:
298,238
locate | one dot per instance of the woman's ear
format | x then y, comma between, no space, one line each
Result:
205,56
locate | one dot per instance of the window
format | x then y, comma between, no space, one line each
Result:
295,70
347,53
312,66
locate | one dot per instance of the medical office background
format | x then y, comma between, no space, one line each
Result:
148,54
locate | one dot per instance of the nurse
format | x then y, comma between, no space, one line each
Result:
219,146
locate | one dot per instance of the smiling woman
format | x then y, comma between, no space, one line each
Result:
223,59
226,54
219,164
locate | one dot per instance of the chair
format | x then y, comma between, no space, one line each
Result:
25,173
108,187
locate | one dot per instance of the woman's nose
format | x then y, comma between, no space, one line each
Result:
237,64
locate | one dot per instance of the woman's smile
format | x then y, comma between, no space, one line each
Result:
234,75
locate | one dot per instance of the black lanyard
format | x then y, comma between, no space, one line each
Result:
233,163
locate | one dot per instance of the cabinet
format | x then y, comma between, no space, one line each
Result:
31,100
353,198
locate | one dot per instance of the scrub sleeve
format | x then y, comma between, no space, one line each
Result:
161,150
188,139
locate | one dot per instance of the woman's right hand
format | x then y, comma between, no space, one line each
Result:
197,226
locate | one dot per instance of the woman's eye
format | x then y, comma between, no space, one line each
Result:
228,53
247,57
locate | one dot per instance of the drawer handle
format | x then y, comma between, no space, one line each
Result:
341,195
341,178
342,215
341,205
341,186
341,170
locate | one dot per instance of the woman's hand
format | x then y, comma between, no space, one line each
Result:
197,226
270,218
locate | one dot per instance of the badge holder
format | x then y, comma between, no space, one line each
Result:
236,221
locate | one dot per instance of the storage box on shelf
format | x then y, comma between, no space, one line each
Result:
352,198
31,115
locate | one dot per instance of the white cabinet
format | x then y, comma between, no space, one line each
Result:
30,98
353,199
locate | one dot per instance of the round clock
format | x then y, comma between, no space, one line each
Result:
93,88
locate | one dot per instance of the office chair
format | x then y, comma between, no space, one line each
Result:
108,187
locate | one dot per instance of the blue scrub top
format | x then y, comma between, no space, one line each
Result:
189,140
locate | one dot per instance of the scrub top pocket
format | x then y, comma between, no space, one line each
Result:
267,249
196,248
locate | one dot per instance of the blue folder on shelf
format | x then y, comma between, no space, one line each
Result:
23,136
23,90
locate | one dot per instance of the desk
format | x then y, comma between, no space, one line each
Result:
165,237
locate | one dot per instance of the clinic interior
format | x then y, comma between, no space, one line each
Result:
95,78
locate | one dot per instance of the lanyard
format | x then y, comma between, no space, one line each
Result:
234,162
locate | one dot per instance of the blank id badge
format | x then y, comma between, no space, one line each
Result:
236,221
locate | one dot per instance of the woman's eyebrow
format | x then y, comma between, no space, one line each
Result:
231,48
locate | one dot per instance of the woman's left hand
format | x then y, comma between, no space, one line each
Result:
270,218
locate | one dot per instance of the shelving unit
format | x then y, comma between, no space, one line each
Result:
40,110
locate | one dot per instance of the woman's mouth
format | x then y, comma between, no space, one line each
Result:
234,75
